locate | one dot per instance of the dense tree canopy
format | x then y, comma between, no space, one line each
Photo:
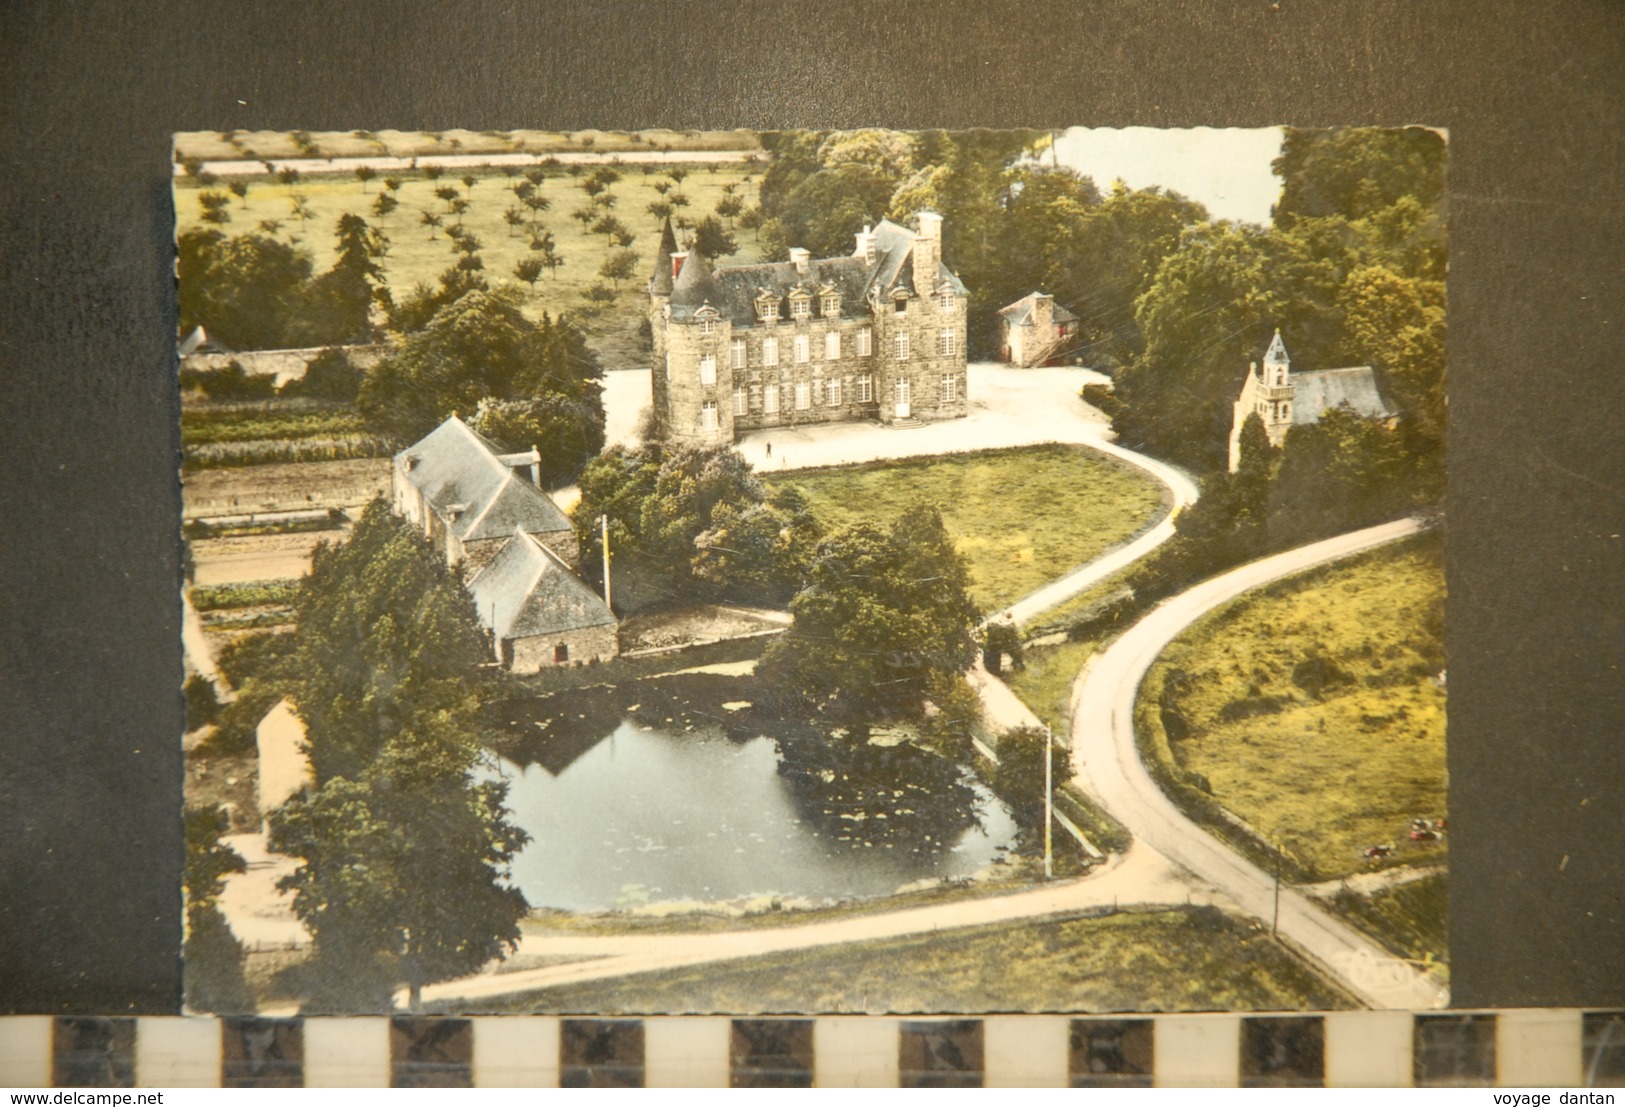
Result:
387,639
539,382
693,521
883,615
1351,273
404,855
1011,224
253,292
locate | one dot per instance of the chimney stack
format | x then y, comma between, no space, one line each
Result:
798,258
927,251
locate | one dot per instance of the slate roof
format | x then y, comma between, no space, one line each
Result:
455,467
733,290
1020,313
527,592
660,279
1321,390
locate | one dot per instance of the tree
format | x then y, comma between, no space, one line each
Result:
729,208
515,219
1019,778
249,290
618,266
365,173
1209,309
405,857
482,347
214,205
547,252
384,204
340,301
530,271
757,552
239,189
883,614
403,880
712,240
387,637
608,226
329,376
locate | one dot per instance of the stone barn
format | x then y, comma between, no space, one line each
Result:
539,613
1035,330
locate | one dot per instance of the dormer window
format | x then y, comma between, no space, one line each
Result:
708,326
707,318
767,308
945,300
900,303
829,305
800,306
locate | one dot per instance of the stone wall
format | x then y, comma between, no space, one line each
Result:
530,655
284,365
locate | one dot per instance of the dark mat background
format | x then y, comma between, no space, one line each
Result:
90,92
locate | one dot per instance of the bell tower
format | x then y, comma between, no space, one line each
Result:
1274,395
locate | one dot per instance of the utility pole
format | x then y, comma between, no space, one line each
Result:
1049,809
603,530
1275,920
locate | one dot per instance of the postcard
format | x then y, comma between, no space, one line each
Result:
814,572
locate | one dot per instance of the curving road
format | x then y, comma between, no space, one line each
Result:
1106,761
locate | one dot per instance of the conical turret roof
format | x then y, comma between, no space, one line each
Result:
694,287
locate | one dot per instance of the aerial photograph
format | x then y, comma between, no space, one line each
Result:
813,572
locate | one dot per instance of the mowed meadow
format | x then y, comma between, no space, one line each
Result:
419,253
1021,517
1315,711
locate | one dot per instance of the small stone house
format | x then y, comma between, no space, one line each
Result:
539,613
1035,330
877,335
469,498
1284,399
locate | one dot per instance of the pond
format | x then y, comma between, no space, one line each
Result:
673,799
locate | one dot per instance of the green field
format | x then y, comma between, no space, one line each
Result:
1313,711
284,419
215,145
1044,684
1021,517
417,256
1411,919
1189,959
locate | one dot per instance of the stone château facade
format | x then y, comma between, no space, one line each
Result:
878,335
1284,399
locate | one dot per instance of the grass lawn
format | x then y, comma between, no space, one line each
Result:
1045,684
1312,709
1411,919
417,256
1021,517
1188,959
